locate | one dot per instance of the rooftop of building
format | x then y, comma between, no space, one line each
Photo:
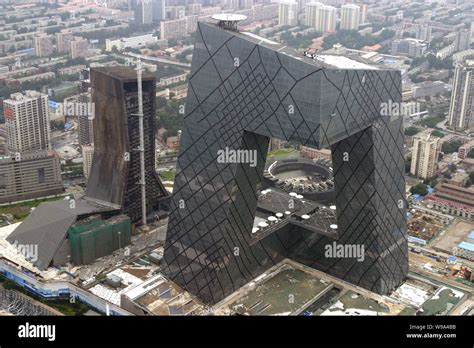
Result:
17,98
123,73
160,296
466,246
318,60
47,226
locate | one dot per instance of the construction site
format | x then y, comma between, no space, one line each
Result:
424,226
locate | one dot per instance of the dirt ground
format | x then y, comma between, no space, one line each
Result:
455,234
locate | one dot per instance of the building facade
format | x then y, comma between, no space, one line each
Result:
79,47
87,156
461,108
43,44
143,13
32,175
321,17
412,48
115,171
210,249
288,13
27,122
350,17
424,156
159,10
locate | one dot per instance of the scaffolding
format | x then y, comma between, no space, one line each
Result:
96,239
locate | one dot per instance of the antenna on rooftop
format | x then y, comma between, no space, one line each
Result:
228,20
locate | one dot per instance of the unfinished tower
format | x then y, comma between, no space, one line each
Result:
115,171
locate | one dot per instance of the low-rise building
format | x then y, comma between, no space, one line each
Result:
166,81
179,92
453,200
464,250
316,154
32,175
130,42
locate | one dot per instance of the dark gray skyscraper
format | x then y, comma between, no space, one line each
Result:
115,171
244,90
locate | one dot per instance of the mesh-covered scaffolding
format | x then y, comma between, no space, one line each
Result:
97,238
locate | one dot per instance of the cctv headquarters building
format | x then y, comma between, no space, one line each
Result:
244,90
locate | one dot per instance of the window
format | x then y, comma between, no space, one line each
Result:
41,175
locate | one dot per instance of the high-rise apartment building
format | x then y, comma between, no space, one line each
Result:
472,32
424,156
87,156
363,13
85,119
321,17
288,13
143,13
63,40
409,47
79,47
43,44
176,12
350,16
302,5
159,10
423,32
195,8
27,122
461,108
175,28
463,40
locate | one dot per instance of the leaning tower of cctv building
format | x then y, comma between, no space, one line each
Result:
242,91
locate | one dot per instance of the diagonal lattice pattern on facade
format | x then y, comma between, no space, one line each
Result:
242,91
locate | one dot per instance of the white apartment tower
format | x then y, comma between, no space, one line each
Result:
461,108
321,17
87,156
350,17
144,12
288,13
27,122
424,156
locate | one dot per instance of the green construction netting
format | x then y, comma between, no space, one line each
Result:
93,240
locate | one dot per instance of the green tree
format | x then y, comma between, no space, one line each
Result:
420,189
451,146
437,133
411,131
471,153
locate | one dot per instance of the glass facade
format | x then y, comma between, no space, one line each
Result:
242,91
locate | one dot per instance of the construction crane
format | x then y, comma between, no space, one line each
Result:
155,59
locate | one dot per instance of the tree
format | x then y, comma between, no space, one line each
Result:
420,189
408,164
410,131
471,177
470,154
451,146
437,133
